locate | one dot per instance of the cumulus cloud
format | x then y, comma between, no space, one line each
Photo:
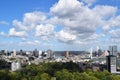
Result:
30,20
80,23
80,20
34,18
66,8
14,33
105,12
115,34
66,37
19,25
112,23
44,31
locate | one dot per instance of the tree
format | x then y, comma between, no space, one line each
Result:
83,76
64,75
4,75
45,76
13,75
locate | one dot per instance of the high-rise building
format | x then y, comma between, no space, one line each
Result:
98,47
67,55
6,52
113,50
91,52
98,51
49,53
14,53
40,54
15,66
36,53
111,62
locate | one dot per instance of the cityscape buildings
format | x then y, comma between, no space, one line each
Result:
107,57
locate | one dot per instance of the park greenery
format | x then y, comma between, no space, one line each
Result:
56,71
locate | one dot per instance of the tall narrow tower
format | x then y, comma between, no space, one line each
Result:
67,55
113,50
98,48
91,51
14,53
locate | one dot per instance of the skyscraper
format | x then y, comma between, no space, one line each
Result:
14,53
113,50
40,54
111,62
67,55
91,52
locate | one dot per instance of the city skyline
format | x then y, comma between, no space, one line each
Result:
59,24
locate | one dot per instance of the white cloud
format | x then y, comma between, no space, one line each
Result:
34,18
30,20
37,42
19,25
27,43
94,36
115,34
80,23
105,12
112,23
65,37
65,8
80,20
44,31
14,33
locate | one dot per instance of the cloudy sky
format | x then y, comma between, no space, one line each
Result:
59,24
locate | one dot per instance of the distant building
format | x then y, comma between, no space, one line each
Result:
15,66
6,52
91,53
29,53
98,47
113,50
95,68
40,54
67,55
49,53
111,62
36,53
44,55
21,52
2,52
14,53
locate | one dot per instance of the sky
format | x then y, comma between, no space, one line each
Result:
59,24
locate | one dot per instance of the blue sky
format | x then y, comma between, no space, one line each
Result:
59,24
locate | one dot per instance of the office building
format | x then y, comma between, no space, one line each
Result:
113,50
36,53
111,63
15,66
40,54
49,53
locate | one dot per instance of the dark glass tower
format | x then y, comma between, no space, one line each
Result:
111,59
111,63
